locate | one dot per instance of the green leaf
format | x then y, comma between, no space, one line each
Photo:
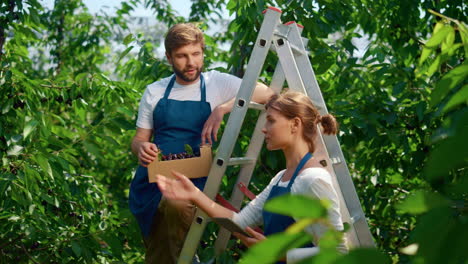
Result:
7,106
188,149
92,148
448,42
126,111
450,153
32,176
421,202
448,82
464,36
80,76
438,27
325,256
425,53
458,98
115,244
298,206
44,164
450,230
76,248
275,247
123,123
125,52
29,127
434,66
438,37
15,150
299,226
128,39
363,255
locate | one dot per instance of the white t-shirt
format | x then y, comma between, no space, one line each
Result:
220,87
312,182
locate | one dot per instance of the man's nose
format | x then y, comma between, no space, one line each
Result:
190,61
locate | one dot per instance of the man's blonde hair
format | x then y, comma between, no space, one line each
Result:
183,34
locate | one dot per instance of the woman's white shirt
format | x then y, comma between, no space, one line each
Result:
312,182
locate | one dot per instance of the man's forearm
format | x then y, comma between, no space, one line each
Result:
260,95
136,146
142,136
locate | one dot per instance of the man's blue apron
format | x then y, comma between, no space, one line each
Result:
275,223
175,123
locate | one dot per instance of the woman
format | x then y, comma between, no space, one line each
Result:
291,126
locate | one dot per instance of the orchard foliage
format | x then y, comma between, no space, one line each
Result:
69,99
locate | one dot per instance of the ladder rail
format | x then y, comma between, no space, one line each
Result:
345,186
295,68
231,132
253,151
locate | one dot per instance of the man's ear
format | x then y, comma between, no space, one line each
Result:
169,58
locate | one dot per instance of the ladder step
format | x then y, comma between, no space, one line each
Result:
240,161
246,191
257,106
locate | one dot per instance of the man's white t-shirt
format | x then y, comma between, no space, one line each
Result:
220,87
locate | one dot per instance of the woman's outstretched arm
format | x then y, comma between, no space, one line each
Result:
181,188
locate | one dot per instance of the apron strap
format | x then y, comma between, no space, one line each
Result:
299,167
202,88
169,87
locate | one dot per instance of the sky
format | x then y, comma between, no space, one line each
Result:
181,6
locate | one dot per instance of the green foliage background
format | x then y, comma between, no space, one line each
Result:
66,122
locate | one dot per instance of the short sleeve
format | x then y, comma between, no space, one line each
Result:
230,85
145,112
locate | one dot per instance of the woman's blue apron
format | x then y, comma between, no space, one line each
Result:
275,223
175,123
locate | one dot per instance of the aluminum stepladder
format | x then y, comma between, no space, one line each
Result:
294,67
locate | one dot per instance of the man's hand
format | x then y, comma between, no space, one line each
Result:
250,241
147,153
212,124
143,148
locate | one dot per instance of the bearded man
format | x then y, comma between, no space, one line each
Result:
184,108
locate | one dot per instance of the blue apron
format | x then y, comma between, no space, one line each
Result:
175,123
275,223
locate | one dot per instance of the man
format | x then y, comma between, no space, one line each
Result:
185,108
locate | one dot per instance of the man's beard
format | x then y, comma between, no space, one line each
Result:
182,75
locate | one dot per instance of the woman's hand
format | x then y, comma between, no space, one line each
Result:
179,188
249,241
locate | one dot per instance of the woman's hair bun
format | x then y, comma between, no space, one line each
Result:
329,124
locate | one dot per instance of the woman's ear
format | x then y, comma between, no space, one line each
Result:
295,124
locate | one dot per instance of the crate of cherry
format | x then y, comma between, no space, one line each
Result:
191,165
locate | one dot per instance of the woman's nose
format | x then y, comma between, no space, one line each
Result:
264,130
